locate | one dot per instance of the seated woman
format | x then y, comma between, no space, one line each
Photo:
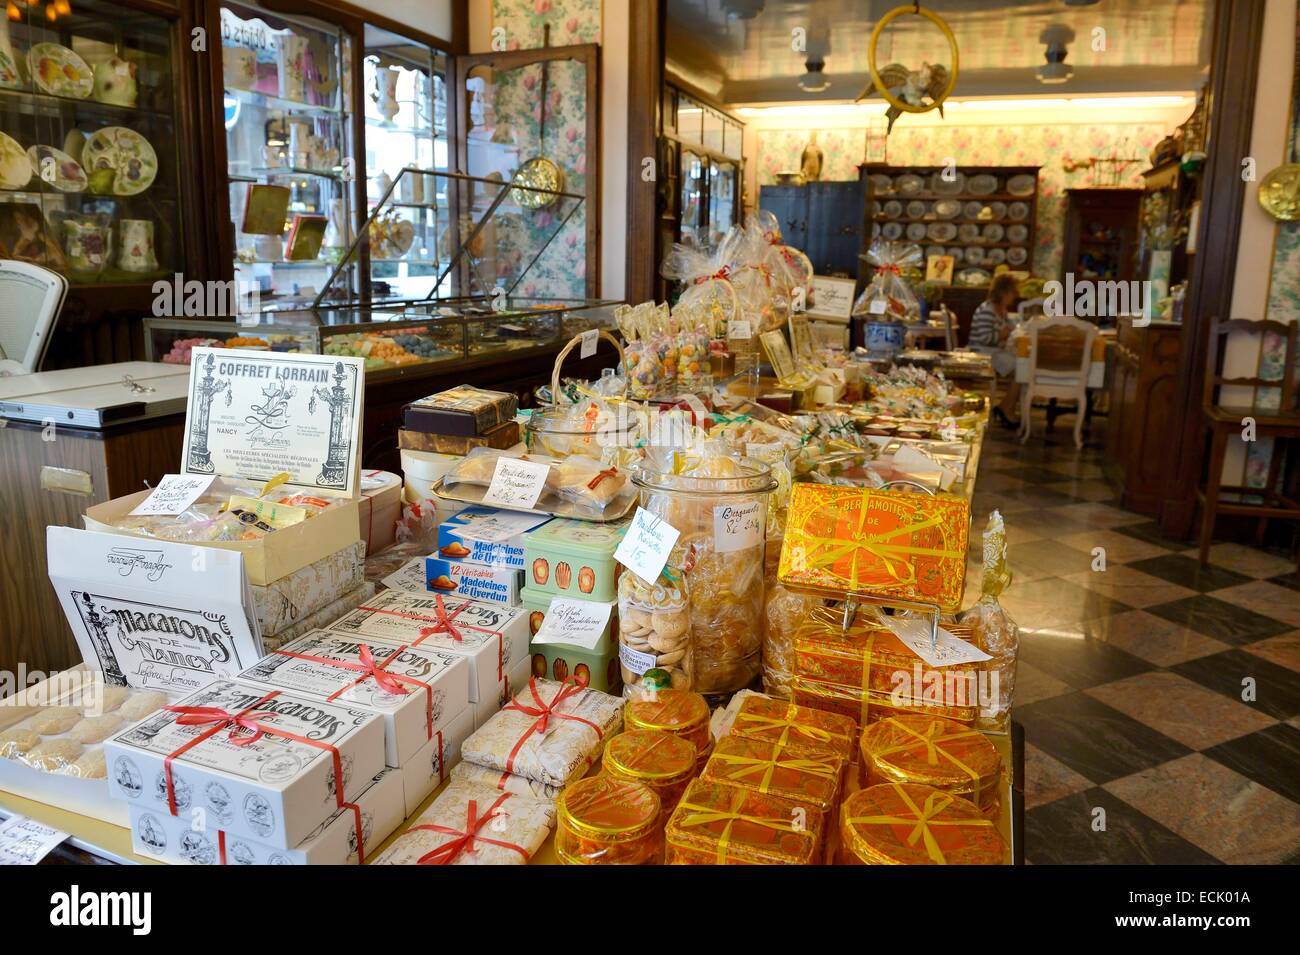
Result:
990,328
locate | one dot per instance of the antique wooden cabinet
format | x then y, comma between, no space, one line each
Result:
1143,419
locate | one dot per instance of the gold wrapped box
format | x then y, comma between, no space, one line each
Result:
869,706
882,543
720,824
911,824
935,752
796,727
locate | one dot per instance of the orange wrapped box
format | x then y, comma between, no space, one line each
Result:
810,778
934,752
606,821
796,727
869,656
720,824
664,762
852,540
679,712
910,824
869,706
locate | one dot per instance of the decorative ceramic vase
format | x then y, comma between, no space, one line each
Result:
293,67
337,233
87,243
115,82
239,67
136,248
270,248
385,93
1161,266
885,339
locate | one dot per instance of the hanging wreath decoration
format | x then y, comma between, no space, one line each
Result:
919,91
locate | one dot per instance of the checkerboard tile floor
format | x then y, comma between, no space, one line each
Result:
1166,695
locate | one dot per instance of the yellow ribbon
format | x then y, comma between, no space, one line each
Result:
703,815
768,767
933,752
923,821
788,724
874,545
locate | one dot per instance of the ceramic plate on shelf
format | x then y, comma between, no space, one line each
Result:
875,230
909,184
1017,256
947,208
916,231
957,253
880,184
982,185
1017,233
1018,211
893,208
124,152
947,187
974,255
15,167
971,210
60,72
57,169
996,257
916,209
968,232
1022,185
973,277
873,208
994,232
942,232
997,210
892,231
933,250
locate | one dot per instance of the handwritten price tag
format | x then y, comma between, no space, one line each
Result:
877,306
739,328
645,547
577,623
738,526
948,649
516,483
590,339
174,494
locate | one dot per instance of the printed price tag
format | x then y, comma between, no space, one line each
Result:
590,339
499,527
738,526
24,842
578,623
645,547
174,494
739,328
876,306
948,649
409,577
635,660
516,483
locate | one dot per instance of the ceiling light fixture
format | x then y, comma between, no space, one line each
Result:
814,81
1055,70
742,9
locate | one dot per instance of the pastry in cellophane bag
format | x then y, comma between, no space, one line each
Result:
707,289
655,626
642,363
764,299
993,630
694,372
888,297
783,611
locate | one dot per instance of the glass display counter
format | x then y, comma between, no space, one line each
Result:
442,286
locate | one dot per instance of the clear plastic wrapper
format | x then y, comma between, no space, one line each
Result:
764,300
693,338
707,285
993,630
888,297
604,820
576,486
783,611
655,625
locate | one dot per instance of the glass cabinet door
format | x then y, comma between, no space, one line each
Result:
406,127
289,149
695,170
89,185
722,200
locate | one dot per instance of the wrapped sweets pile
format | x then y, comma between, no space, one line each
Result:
650,349
912,824
764,294
708,291
677,712
718,504
933,751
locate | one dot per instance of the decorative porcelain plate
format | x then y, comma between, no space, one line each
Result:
57,169
15,167
933,250
909,184
996,257
947,187
1017,233
957,253
60,72
916,209
947,208
968,232
127,154
974,255
1017,256
893,208
880,184
1018,211
942,232
997,210
892,231
973,277
1022,185
994,233
916,231
971,210
982,185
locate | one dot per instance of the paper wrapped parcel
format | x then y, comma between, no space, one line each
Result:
469,824
550,732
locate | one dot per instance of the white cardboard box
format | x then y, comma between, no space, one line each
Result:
492,637
176,840
435,682
431,766
484,710
274,790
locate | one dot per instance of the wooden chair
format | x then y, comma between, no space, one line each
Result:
1225,415
1060,353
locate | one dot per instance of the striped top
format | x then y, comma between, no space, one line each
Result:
984,326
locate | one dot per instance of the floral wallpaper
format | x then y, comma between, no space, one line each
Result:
778,150
561,271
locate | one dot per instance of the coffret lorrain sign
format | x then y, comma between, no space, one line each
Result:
151,613
255,415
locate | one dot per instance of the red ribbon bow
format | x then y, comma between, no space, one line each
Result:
204,715
888,267
544,711
449,852
723,273
607,473
444,624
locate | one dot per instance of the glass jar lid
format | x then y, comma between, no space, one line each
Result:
653,756
673,711
703,472
606,808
